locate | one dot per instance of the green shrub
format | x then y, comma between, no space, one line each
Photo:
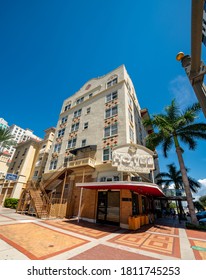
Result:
11,203
192,226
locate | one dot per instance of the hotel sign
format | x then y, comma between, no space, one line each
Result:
133,158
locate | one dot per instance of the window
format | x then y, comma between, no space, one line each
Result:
77,113
129,101
84,141
79,100
116,178
36,173
20,163
130,116
88,110
75,127
61,132
72,143
131,134
112,82
135,204
107,154
90,95
13,165
64,119
86,125
111,96
128,87
17,154
110,130
57,147
67,107
109,179
110,112
24,151
53,164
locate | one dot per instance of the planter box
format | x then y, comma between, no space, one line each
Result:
134,222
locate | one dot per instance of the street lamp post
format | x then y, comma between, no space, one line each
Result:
196,78
194,67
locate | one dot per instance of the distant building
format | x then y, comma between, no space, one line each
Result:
4,163
21,135
28,163
3,123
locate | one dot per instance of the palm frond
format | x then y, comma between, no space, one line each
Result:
172,110
185,138
167,145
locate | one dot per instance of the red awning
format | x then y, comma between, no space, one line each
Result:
143,188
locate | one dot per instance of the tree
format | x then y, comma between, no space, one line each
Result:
198,206
202,200
6,138
174,176
175,126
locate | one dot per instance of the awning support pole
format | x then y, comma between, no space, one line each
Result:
80,203
80,200
153,177
61,199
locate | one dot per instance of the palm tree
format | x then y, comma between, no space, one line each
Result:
173,127
174,176
6,138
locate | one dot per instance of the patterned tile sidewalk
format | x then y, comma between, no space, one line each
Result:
24,237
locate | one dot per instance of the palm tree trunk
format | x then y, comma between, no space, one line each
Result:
186,185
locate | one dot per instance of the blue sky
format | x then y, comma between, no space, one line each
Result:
49,49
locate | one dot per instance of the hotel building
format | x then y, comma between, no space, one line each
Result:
98,168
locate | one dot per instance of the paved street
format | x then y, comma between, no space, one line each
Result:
24,237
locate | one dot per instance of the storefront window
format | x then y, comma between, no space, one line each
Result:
144,204
135,204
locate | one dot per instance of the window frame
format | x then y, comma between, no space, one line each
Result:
112,82
75,127
67,107
53,164
79,100
111,128
85,141
111,96
111,113
109,154
64,119
73,142
61,132
86,125
57,147
77,113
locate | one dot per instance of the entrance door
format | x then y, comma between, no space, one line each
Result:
108,207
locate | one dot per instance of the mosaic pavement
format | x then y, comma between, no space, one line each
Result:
38,242
85,228
23,237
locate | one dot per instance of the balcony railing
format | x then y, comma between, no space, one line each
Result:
174,193
81,162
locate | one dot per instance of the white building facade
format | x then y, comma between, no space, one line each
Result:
105,112
99,121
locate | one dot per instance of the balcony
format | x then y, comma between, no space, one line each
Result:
81,162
